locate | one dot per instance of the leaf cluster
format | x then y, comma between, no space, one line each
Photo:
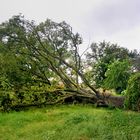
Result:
132,100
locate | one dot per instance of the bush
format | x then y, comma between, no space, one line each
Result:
132,100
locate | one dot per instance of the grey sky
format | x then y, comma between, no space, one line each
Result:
117,15
117,21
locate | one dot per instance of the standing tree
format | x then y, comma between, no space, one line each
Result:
102,55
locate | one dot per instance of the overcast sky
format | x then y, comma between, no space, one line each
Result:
117,21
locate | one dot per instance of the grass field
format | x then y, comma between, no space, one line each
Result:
73,122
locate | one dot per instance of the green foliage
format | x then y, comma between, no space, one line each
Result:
132,100
12,75
40,50
117,75
103,54
34,96
70,123
5,102
100,69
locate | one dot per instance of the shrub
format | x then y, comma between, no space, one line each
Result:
132,100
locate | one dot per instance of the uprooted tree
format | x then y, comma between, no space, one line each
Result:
41,54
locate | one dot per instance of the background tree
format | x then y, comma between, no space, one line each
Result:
102,55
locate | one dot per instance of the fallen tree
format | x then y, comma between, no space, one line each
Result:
48,52
27,99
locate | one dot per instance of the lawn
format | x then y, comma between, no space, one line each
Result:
70,122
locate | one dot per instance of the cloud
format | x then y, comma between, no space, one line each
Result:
112,16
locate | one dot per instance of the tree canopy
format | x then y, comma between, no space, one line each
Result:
104,54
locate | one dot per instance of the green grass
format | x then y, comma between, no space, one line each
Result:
73,122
